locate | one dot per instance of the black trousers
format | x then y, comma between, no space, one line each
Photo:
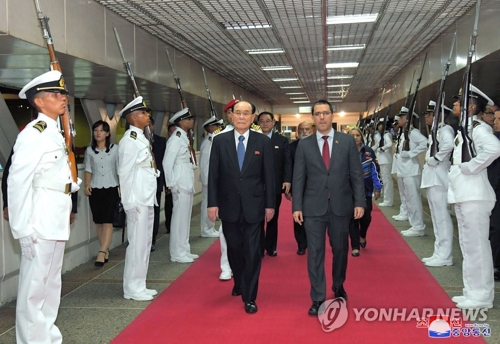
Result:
269,236
243,252
358,228
169,205
495,232
299,231
156,223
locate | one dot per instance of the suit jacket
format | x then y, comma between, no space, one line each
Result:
251,189
313,182
282,161
159,146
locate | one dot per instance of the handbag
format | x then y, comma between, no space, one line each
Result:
119,216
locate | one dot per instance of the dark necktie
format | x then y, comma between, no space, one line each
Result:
326,152
241,151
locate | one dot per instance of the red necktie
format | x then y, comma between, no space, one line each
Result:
326,152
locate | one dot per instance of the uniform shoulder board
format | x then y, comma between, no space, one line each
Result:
133,135
178,134
475,123
40,126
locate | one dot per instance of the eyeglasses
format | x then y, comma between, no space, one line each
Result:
489,113
245,114
265,121
324,113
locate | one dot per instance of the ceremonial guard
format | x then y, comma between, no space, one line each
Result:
178,165
39,209
211,126
398,130
137,172
474,199
383,148
435,180
409,171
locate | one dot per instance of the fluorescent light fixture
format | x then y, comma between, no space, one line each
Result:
346,47
269,68
340,92
340,77
343,85
297,115
294,93
264,51
342,113
343,65
246,26
302,102
287,87
298,98
284,79
352,19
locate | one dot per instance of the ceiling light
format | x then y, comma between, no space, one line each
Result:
340,77
294,93
297,115
302,102
269,68
343,85
352,19
284,79
342,113
297,98
346,47
264,51
246,26
343,65
336,92
285,87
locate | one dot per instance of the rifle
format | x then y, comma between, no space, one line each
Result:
409,90
213,113
128,69
381,142
439,100
68,128
184,105
468,152
375,118
411,109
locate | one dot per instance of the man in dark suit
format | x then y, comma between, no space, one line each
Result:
328,189
282,180
241,193
159,146
304,130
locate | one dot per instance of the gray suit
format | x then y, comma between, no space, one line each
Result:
327,198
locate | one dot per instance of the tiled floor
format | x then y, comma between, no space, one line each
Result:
93,309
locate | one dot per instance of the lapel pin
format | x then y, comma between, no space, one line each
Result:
257,153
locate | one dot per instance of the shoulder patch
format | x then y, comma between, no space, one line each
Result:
40,126
178,134
475,123
133,135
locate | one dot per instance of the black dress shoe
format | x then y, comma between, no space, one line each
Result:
362,244
301,251
315,307
340,292
496,275
355,254
236,291
272,253
251,307
153,247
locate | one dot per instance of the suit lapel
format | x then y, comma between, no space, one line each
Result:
249,152
231,150
315,149
335,148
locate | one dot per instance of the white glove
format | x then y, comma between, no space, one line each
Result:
465,169
404,155
76,186
158,174
132,214
433,162
174,189
28,246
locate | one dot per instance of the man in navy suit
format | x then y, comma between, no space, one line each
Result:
328,190
241,193
282,180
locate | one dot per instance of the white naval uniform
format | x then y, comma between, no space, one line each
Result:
474,199
207,226
179,177
138,193
399,179
408,173
39,205
384,157
435,180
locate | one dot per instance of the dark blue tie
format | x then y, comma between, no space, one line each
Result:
241,151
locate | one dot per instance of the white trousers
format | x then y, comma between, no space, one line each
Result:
207,226
437,196
139,235
473,219
402,207
224,261
388,189
180,224
39,294
413,200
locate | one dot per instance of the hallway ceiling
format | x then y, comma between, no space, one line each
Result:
220,33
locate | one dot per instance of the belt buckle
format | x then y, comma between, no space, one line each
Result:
67,188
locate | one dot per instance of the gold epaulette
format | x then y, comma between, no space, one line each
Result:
255,127
40,126
475,123
218,130
133,135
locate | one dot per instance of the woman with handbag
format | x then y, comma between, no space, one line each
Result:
101,185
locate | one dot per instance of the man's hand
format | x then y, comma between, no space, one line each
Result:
213,213
287,187
6,213
269,214
376,195
167,191
298,217
72,218
464,168
132,214
358,212
432,162
28,246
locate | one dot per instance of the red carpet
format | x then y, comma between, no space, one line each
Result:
198,308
